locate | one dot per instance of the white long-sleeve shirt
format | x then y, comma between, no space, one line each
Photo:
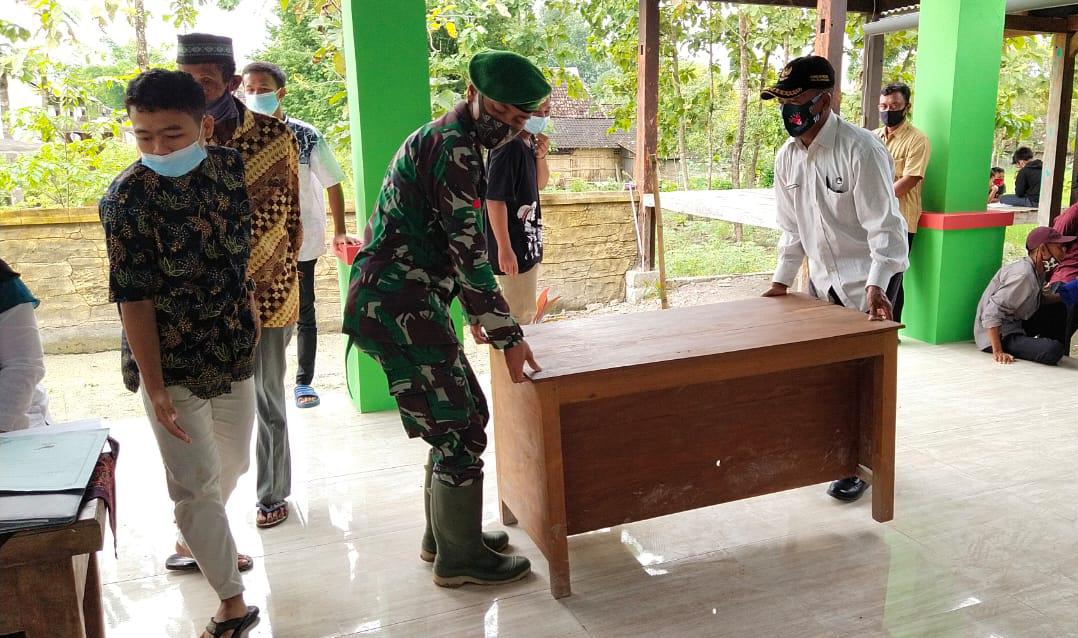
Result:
23,402
837,207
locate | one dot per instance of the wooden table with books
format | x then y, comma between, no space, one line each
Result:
49,582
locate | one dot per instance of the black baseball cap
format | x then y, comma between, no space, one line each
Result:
800,75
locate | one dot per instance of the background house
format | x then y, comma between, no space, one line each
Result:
583,148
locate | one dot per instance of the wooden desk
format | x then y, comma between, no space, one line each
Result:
49,585
647,414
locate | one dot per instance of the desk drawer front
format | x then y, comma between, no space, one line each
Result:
655,453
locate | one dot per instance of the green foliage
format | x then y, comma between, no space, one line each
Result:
458,29
696,246
74,165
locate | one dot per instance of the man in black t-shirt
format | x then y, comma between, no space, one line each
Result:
516,173
1027,185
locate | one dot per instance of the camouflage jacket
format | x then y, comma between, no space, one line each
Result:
424,245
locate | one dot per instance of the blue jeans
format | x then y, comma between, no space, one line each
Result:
1014,200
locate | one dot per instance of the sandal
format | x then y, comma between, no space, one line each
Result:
308,393
264,514
238,626
181,563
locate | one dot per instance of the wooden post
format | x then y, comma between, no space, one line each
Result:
1074,172
830,34
647,122
1058,126
872,80
659,249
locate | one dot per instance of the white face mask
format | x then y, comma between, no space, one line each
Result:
264,103
177,163
536,124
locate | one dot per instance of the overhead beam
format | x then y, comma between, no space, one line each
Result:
830,36
857,6
1058,126
647,122
1031,24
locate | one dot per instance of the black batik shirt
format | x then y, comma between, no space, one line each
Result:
184,242
511,178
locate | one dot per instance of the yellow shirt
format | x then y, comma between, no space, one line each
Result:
910,149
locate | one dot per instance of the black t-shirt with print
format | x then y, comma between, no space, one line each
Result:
511,178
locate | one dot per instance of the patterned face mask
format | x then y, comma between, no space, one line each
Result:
799,118
491,131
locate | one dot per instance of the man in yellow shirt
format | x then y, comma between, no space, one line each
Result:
910,149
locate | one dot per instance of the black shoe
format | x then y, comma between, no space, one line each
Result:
848,489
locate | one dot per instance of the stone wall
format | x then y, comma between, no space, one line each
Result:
62,258
590,244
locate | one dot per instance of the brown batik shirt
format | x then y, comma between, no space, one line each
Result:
271,160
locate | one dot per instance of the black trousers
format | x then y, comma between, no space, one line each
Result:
307,326
893,289
1046,332
899,298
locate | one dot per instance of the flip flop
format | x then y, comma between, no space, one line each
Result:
304,391
266,512
238,626
181,563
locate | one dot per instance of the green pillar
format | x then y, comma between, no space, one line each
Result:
385,45
958,55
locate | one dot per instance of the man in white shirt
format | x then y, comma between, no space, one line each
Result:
264,88
834,191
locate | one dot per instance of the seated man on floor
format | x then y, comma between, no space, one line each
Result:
1014,318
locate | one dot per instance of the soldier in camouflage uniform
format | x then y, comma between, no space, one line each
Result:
424,245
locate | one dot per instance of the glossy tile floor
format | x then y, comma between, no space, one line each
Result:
984,541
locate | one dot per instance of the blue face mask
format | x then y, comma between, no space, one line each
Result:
177,163
264,103
536,124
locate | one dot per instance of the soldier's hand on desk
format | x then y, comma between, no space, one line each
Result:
776,290
479,334
879,308
515,358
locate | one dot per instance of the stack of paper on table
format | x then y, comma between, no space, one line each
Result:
44,473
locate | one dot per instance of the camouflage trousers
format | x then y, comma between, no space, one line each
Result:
440,400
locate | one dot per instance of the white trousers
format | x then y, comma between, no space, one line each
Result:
520,292
202,474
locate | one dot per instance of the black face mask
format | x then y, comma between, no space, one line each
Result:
893,118
799,118
491,131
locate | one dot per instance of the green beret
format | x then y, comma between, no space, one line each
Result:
510,78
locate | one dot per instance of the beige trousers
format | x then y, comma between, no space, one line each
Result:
520,292
201,475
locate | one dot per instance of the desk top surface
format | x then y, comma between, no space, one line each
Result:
611,342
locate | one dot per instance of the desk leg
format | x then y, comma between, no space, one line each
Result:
558,560
885,377
50,599
91,601
508,518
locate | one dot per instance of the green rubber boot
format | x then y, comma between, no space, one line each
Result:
429,547
457,519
